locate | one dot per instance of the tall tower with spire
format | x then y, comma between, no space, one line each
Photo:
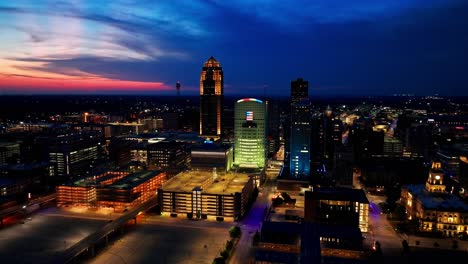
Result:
211,99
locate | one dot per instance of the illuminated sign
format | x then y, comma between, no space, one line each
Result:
249,100
249,116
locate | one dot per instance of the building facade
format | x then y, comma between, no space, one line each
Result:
119,190
211,99
209,156
73,154
300,140
249,133
9,153
172,157
131,190
206,195
82,192
434,207
337,206
299,90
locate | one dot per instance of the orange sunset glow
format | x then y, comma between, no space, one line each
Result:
81,84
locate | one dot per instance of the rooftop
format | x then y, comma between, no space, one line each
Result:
135,179
337,194
91,181
211,62
8,144
211,147
439,201
125,124
226,183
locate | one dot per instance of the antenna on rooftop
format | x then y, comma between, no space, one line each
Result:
178,88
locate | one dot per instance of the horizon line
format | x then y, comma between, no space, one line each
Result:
229,94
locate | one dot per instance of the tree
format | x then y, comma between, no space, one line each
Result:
286,196
406,248
255,193
256,237
278,201
219,260
454,244
235,232
377,247
225,254
413,225
377,255
399,212
229,245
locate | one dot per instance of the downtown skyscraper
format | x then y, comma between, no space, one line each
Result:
249,133
211,99
299,141
299,90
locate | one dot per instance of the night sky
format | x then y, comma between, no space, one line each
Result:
359,47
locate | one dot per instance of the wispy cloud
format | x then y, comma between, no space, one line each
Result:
35,35
334,43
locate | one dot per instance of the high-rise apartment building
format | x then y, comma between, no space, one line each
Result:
249,133
211,99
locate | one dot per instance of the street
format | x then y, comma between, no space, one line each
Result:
244,252
391,242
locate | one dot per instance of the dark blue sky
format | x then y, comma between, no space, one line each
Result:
358,47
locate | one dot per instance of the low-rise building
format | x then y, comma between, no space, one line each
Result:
437,209
82,192
337,206
9,153
203,194
114,189
171,156
209,155
131,190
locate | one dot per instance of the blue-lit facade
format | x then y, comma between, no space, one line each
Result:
299,161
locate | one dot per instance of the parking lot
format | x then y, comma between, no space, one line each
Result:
167,240
39,237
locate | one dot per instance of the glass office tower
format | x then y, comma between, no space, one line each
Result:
249,133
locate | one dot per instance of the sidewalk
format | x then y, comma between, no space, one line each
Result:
428,242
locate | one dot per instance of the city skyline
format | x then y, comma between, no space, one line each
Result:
342,48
